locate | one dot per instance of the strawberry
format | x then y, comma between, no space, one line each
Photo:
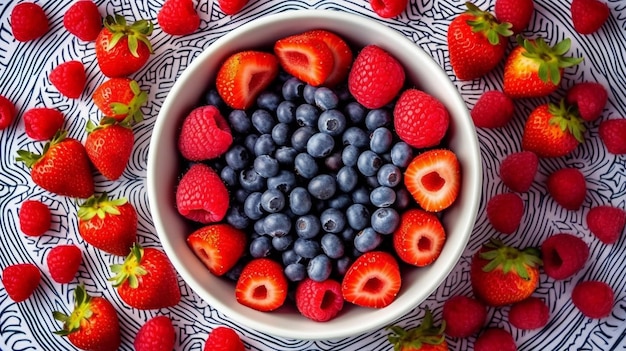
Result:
319,301
388,8
518,170
231,7
495,339
223,338
588,15
464,316
476,42
515,12
244,75
146,280
593,298
606,223
305,57
119,98
42,123
552,130
505,211
63,168
502,275
262,285
563,255
613,135
425,337
83,20
28,21
590,99
69,78
342,55
419,238
20,280
376,77
109,146
201,195
178,17
7,112
108,224
63,262
568,188
35,218
205,134
494,109
157,334
121,48
372,280
534,69
529,314
434,179
218,246
420,119
93,324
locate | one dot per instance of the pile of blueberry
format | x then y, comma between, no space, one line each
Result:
315,177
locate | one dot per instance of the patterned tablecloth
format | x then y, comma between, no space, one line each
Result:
24,69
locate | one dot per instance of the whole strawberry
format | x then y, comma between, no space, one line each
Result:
178,17
109,146
35,218
613,135
157,334
590,99
63,262
515,12
69,78
425,337
420,119
201,195
42,123
120,98
588,15
20,280
7,112
83,20
204,135
28,21
218,246
108,224
223,338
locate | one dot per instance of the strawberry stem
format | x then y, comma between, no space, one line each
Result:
486,23
136,32
100,206
130,270
551,59
82,311
509,258
424,334
30,158
568,119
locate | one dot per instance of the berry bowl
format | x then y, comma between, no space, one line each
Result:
165,168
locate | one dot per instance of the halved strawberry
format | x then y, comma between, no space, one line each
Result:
434,179
373,280
218,246
262,285
342,55
419,237
306,58
244,75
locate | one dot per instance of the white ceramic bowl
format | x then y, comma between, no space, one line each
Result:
163,172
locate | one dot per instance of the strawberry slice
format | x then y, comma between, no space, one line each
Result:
434,179
306,58
262,285
244,75
218,246
373,280
419,237
342,55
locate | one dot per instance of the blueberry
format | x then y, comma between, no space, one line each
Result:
295,272
389,175
283,181
355,136
281,243
382,196
369,163
263,121
264,145
322,186
309,94
358,216
367,240
347,179
331,122
290,256
342,265
332,220
277,224
266,166
239,121
268,100
401,154
286,112
234,273
361,195
281,133
372,181
319,268
349,155
320,145
300,201
348,234
258,227
307,226
355,112
252,206
250,141
377,118
237,157
325,98
272,200
250,180
300,137
293,89
260,246
306,248
229,176
240,195
237,218
340,202
381,140
305,165
212,97
285,155
307,115
333,162
403,198
385,220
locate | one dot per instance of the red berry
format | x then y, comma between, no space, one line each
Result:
495,339
568,188
63,262
262,285
420,119
83,20
518,170
69,78
434,178
373,280
388,8
505,211
42,123
529,314
590,98
319,301
464,316
218,246
419,238
35,218
205,134
613,135
28,21
157,334
305,57
593,298
515,12
20,280
7,112
201,195
588,15
231,7
494,109
178,17
342,55
606,223
224,338
563,255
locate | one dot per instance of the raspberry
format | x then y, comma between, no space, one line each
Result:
157,334
494,109
388,8
495,339
63,262
464,316
205,134
224,338
7,112
42,123
420,119
518,170
606,223
568,188
201,195
529,314
28,21
505,211
563,255
69,78
590,98
20,280
593,298
178,17
35,218
231,7
588,15
83,20
515,12
319,301
613,135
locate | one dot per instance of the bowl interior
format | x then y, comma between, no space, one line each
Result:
163,172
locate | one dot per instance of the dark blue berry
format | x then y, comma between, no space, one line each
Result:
264,145
343,264
378,118
281,133
290,256
272,200
212,97
401,154
382,196
307,226
340,202
389,175
258,227
300,138
403,198
322,186
381,140
277,224
239,121
295,272
355,136
293,89
350,155
252,206
250,180
266,166
229,176
307,115
286,112
355,112
347,179
261,246
369,163
319,268
325,98
358,216
237,157
320,145
306,248
236,217
309,94
250,141
263,121
281,243
332,245
283,181
333,162
367,240
332,220
385,220
285,155
268,100
331,122
300,201
361,195
305,165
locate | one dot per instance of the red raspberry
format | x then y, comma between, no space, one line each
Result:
464,316
42,123
590,98
28,21
201,195
375,78
20,280
494,109
505,211
515,12
205,134
157,334
593,298
69,78
529,314
224,338
420,119
231,7
35,218
518,170
606,223
178,17
563,255
568,188
7,112
613,135
495,339
319,301
588,15
388,8
63,262
83,20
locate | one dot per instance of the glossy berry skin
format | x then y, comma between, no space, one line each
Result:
606,222
464,316
316,61
388,8
224,338
319,301
516,12
563,255
178,17
28,21
505,212
34,217
235,83
495,339
201,195
231,7
590,98
69,78
613,135
63,262
593,298
568,188
7,112
420,119
109,147
42,123
518,170
20,280
157,334
552,131
494,109
218,246
119,98
83,20
588,15
529,314
205,134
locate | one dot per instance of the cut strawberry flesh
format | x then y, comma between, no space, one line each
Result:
419,238
372,281
244,75
342,55
306,58
434,179
262,285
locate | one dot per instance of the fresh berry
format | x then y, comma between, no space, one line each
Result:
494,109
464,316
563,255
201,195
593,298
157,334
613,135
63,262
376,77
606,223
434,178
568,188
420,119
590,99
7,112
69,78
146,280
505,211
120,98
262,285
319,301
518,170
205,134
388,8
588,15
305,57
42,123
108,224
419,238
35,218
425,337
529,314
495,339
218,246
373,280
231,7
28,21
109,146
224,338
515,12
243,76
83,20
342,55
178,17
20,280
552,130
